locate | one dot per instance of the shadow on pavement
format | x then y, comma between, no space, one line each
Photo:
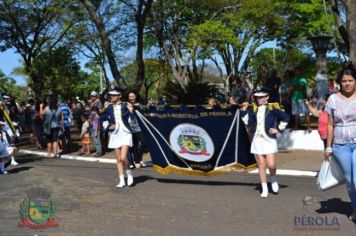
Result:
19,169
141,179
214,183
335,205
27,158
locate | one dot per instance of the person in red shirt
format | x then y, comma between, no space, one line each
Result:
322,118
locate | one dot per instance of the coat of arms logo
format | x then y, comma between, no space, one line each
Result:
191,142
37,209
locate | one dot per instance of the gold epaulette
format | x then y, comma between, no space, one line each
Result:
271,106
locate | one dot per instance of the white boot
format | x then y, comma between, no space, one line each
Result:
122,182
129,178
274,184
13,162
264,193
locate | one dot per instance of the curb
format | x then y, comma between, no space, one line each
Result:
280,172
70,157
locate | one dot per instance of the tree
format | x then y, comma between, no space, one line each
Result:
157,73
29,26
173,23
285,59
140,9
105,40
236,32
59,73
344,12
7,84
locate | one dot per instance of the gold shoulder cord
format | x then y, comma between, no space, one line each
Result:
8,119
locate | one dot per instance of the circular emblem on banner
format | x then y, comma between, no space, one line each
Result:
191,142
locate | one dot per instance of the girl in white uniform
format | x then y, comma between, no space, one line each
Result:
265,121
121,135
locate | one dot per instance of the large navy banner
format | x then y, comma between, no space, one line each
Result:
196,141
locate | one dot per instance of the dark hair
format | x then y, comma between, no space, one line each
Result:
86,115
349,69
326,96
95,109
52,103
290,73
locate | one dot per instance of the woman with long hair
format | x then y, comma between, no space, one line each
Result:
53,122
341,138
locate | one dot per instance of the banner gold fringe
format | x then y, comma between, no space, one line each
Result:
220,170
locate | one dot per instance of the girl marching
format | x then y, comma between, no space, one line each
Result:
118,115
264,122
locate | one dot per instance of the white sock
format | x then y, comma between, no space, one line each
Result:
264,190
121,182
274,184
13,162
128,173
129,177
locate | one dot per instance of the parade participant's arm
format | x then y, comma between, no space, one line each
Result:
330,136
315,112
244,113
283,121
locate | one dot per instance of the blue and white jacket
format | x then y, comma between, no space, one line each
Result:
274,118
125,116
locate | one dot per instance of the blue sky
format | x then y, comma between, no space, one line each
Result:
8,61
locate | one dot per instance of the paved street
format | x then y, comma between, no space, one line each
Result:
89,203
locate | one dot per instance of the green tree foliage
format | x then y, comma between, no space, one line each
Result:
7,84
285,59
195,92
235,32
59,73
304,19
31,25
157,73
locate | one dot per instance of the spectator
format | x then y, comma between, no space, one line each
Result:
95,131
273,83
65,137
53,121
298,90
341,140
212,103
322,117
85,135
95,101
284,93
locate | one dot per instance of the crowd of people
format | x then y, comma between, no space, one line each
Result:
51,121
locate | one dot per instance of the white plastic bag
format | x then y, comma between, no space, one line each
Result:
330,174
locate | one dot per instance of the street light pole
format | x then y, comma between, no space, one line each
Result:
321,45
101,79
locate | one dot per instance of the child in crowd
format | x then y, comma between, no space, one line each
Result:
322,118
95,130
85,135
264,122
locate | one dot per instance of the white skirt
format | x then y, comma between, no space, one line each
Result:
120,138
263,145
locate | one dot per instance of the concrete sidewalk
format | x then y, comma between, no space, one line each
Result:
291,162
